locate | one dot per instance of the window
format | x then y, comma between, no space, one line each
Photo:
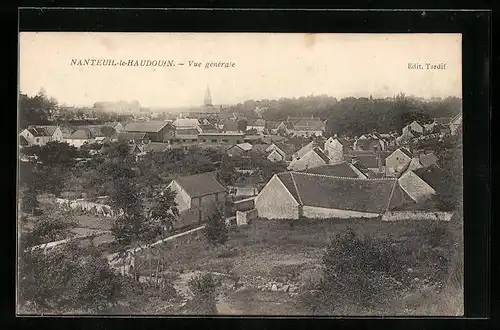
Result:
204,140
224,140
214,140
37,140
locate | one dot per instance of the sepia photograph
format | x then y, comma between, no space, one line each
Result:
240,174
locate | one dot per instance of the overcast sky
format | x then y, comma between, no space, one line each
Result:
266,66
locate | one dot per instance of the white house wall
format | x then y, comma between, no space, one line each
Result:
182,199
313,212
415,187
309,161
275,201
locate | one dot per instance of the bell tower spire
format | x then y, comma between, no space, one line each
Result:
208,99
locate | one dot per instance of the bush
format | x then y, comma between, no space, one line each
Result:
358,275
204,288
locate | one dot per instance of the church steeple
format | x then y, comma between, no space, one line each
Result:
208,99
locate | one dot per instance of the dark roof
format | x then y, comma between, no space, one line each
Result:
305,124
50,129
406,152
230,126
121,136
149,126
155,147
432,175
443,120
256,122
368,161
200,184
367,144
23,141
341,169
272,124
287,148
186,132
428,159
81,133
321,154
363,195
39,131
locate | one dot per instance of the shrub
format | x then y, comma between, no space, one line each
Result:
204,288
358,275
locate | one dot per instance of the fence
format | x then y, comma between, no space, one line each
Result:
416,215
85,206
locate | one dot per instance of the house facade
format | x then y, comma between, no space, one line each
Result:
197,196
397,162
41,135
223,137
312,159
157,131
335,149
80,137
293,195
416,188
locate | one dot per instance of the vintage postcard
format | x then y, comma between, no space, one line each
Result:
240,174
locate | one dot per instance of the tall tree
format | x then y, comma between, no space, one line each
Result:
216,230
164,211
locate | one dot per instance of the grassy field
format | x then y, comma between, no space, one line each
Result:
273,251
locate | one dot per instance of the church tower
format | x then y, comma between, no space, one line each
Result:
208,99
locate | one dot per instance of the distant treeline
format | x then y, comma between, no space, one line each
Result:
354,116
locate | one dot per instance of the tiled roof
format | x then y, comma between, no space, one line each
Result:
272,124
230,126
186,132
129,136
200,184
50,129
39,131
340,169
256,122
406,152
186,122
428,159
245,146
308,124
82,134
432,175
368,161
363,195
321,154
149,126
155,147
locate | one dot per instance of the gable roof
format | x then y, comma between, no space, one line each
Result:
122,136
340,169
428,159
362,195
367,161
308,124
305,149
23,141
155,147
230,126
200,184
50,129
38,131
272,124
82,134
321,154
245,146
432,175
256,122
149,126
186,122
